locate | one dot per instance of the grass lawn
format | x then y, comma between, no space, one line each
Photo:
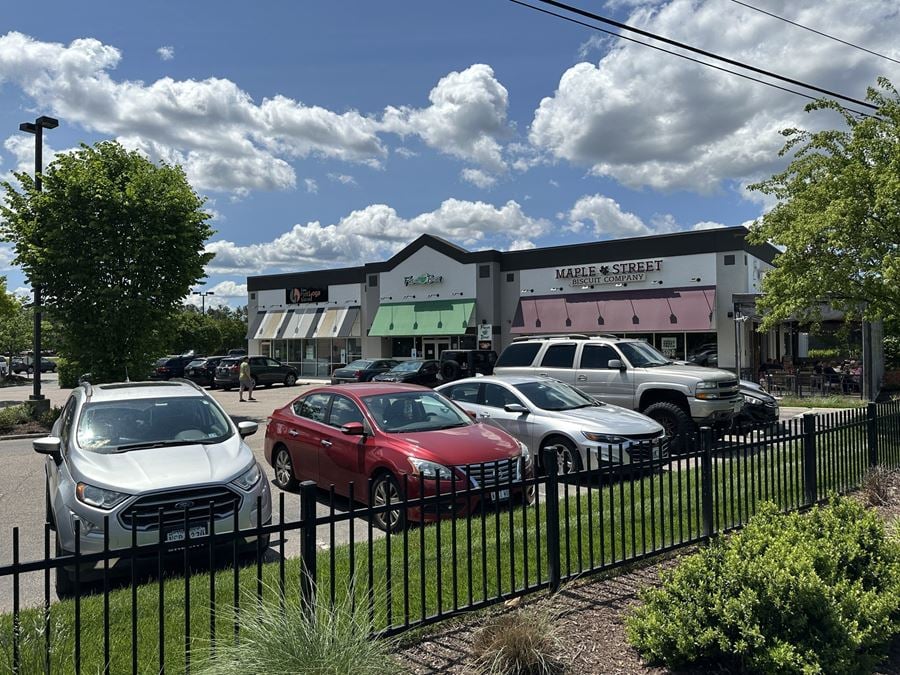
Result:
822,402
435,569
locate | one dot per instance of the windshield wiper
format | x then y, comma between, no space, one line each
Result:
451,426
152,444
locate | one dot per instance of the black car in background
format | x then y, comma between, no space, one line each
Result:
362,370
203,370
172,366
25,364
263,370
459,363
426,373
760,409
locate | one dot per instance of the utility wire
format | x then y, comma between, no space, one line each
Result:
817,32
697,50
673,53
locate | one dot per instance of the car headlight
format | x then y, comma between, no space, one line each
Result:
526,453
707,390
249,478
428,469
610,439
100,498
752,400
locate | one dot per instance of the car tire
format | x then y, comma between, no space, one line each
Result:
290,380
65,584
568,460
677,424
30,370
392,521
284,469
450,370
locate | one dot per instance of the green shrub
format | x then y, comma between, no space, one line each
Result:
13,415
827,353
48,418
286,640
892,351
69,372
797,593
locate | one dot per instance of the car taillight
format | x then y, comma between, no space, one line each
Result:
162,369
235,368
357,373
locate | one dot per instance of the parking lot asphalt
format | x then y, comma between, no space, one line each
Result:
22,486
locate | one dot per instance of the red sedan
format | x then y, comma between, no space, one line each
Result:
400,436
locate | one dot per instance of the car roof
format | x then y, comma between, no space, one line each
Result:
124,391
367,388
503,379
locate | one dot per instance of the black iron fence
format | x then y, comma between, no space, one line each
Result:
499,531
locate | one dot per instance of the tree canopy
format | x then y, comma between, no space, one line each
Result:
213,333
116,242
837,216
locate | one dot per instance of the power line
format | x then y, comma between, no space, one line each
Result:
696,50
682,56
817,32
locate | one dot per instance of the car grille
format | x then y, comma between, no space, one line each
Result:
492,474
144,514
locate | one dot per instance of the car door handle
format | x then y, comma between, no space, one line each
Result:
484,415
327,444
582,378
543,375
294,433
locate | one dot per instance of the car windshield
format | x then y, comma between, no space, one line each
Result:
414,411
642,355
407,367
197,362
555,395
361,364
118,426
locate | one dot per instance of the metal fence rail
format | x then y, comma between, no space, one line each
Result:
498,534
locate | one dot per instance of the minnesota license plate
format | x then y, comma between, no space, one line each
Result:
178,535
500,495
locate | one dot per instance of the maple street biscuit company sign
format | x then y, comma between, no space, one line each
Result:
422,280
608,273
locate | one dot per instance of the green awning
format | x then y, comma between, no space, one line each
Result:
437,317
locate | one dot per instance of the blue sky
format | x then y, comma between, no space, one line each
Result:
329,134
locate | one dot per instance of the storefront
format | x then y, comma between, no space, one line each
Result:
676,291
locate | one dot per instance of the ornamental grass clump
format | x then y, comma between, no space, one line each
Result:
792,593
276,639
522,642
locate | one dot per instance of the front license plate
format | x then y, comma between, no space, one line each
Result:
500,495
178,535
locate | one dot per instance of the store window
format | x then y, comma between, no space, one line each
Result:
484,272
671,345
308,361
401,347
702,348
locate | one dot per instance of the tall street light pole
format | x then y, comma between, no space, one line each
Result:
37,127
203,299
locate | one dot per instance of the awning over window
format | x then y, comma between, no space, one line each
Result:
327,327
348,322
268,327
253,323
651,311
301,324
438,317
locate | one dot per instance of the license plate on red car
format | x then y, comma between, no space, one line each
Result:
500,495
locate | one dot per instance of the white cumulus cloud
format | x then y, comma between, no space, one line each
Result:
647,118
166,52
478,178
311,185
377,232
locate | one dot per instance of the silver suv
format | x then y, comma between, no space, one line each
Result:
631,374
142,452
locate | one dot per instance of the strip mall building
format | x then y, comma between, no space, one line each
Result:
678,291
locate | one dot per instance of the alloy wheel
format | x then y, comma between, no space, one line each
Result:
383,489
284,470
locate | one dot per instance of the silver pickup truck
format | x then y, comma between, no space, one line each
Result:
632,374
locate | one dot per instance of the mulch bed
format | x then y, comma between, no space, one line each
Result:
590,614
30,427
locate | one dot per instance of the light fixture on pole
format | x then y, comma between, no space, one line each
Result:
37,127
203,299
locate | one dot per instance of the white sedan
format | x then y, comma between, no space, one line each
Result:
543,412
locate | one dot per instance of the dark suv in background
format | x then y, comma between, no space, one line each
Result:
263,370
457,363
172,366
203,370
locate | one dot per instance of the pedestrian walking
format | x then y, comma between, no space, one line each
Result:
245,380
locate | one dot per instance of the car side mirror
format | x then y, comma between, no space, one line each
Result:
247,428
353,429
49,445
516,408
615,364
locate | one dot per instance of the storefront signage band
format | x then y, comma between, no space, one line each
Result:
422,280
297,296
612,273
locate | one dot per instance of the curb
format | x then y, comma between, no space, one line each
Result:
21,437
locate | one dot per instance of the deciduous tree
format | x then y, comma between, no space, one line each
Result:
837,217
116,242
